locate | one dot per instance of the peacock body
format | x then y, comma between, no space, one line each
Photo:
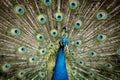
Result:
60,72
59,39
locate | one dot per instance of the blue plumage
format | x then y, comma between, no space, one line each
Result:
60,71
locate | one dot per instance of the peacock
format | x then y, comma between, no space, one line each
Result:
59,39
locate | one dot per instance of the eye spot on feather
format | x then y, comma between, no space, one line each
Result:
41,19
43,51
19,9
59,16
39,37
21,74
6,67
32,59
101,15
90,74
108,65
53,32
118,51
51,45
74,72
47,2
42,74
15,31
72,54
81,62
101,37
73,4
78,24
43,65
22,49
78,43
92,53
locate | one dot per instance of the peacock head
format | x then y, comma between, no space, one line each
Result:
64,41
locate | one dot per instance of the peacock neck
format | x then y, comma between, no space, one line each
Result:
60,60
60,71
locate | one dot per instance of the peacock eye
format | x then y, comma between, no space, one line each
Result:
78,43
118,51
40,37
51,45
42,74
15,31
59,16
101,15
72,54
92,53
73,4
90,74
101,37
54,33
21,74
47,2
41,19
78,24
81,62
74,72
32,59
22,49
19,10
43,51
108,65
6,67
43,65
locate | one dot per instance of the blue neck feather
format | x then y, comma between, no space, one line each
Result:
60,71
